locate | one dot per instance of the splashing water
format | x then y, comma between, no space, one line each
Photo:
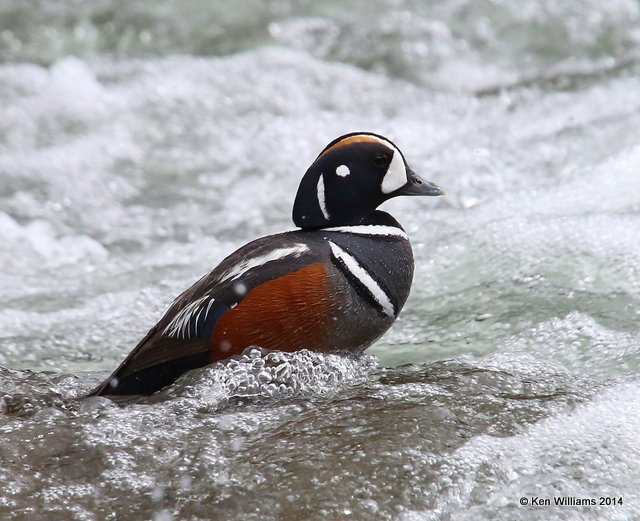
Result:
140,144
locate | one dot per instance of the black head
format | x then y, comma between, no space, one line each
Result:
351,177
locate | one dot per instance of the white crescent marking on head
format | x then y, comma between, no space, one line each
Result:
321,201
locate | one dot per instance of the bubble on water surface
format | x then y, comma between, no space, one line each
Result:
568,455
259,373
132,169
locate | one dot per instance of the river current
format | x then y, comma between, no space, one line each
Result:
142,142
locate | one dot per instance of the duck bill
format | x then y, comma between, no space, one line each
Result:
418,186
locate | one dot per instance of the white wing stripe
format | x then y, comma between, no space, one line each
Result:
180,326
185,323
195,322
206,314
363,276
280,253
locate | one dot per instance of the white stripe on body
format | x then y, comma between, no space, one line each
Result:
181,325
363,276
243,266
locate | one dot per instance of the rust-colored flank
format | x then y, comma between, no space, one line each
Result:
288,313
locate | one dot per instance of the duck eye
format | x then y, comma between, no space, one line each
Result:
381,160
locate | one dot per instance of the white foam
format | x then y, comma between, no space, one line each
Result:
272,374
537,461
534,248
37,243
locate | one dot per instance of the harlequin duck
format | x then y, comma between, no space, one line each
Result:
335,284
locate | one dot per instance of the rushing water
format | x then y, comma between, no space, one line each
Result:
141,142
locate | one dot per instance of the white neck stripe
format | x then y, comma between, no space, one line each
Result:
370,229
363,276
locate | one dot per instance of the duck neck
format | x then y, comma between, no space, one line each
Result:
375,218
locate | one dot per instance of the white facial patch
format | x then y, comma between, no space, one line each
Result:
343,171
321,201
396,175
242,267
374,289
370,229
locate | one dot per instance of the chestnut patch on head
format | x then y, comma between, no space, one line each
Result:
360,138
